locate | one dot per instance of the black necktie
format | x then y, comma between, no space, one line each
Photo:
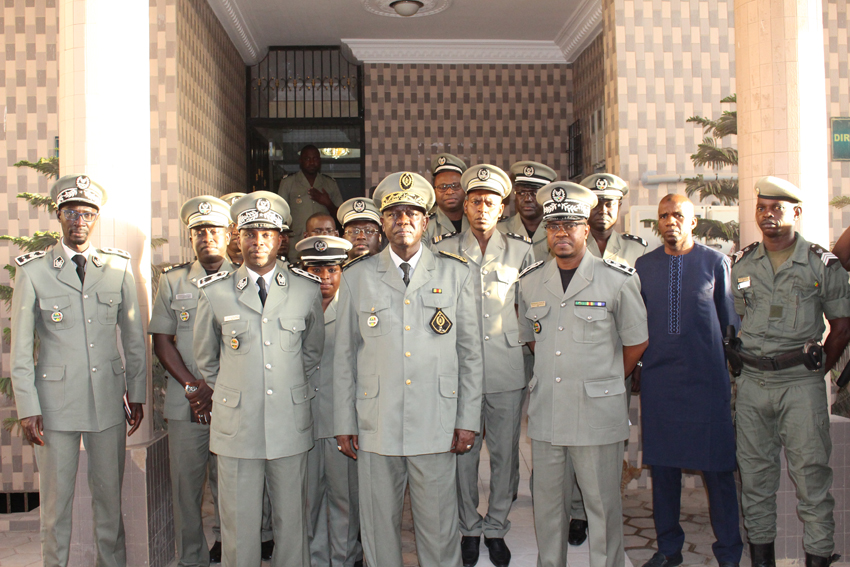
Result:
80,261
405,267
263,294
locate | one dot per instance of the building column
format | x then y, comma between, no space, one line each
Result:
782,126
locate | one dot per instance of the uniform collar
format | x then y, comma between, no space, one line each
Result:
69,254
800,254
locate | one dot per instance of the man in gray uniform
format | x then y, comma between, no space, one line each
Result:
361,225
72,297
603,241
407,379
496,259
308,191
259,334
783,288
447,215
171,326
333,511
587,322
529,177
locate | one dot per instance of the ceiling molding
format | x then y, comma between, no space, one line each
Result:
454,52
581,29
233,22
429,8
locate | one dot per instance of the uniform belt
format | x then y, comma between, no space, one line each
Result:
779,362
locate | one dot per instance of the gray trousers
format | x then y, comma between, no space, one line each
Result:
795,417
333,509
598,468
433,498
240,499
57,463
266,528
189,451
501,416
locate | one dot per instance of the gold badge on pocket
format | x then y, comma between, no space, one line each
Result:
234,343
57,317
440,322
537,327
184,316
372,321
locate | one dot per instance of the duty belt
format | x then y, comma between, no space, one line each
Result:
811,355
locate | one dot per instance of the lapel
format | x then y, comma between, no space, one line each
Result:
422,273
581,279
330,312
469,248
615,242
277,293
67,274
94,273
391,276
248,296
197,271
495,247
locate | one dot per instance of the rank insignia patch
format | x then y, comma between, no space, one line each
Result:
537,327
242,283
234,343
372,321
96,261
184,316
57,317
59,262
440,323
590,304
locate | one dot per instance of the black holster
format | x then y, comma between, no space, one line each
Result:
732,347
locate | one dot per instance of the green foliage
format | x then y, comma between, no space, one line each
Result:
6,294
716,157
39,201
40,240
724,190
11,424
840,202
728,231
49,167
6,387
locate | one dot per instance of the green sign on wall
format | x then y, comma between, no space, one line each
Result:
841,139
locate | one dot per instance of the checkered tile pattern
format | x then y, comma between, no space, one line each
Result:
589,84
836,32
495,114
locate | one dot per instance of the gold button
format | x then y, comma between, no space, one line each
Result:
408,382
365,393
407,302
606,391
267,343
224,400
557,353
453,391
268,366
563,305
407,327
558,379
407,354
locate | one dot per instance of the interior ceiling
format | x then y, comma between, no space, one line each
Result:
326,22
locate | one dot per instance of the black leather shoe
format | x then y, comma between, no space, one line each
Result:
762,555
818,561
358,563
660,560
469,550
578,532
215,553
266,550
500,555
728,564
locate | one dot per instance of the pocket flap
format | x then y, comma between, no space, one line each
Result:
184,304
54,303
591,313
438,300
109,297
535,313
118,366
227,397
367,387
603,388
303,393
372,305
234,328
51,373
513,338
292,325
448,386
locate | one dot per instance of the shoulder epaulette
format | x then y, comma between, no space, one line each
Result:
21,260
827,257
518,237
348,263
432,215
204,282
637,239
531,268
304,274
116,252
503,219
736,257
437,239
454,256
175,266
620,267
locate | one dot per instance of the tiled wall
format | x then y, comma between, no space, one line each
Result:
589,88
836,33
496,114
198,115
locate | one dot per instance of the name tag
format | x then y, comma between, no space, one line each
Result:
231,318
183,296
744,283
538,304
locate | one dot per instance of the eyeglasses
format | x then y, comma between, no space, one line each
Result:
556,227
74,216
323,232
358,231
526,193
209,230
443,187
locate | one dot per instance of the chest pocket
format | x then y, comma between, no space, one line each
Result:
374,317
803,307
445,303
56,312
591,326
290,333
505,278
108,304
539,321
184,310
235,337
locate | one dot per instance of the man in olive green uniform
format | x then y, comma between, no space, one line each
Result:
72,385
361,225
496,260
529,177
333,512
308,191
407,379
783,288
587,322
259,334
447,214
172,323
